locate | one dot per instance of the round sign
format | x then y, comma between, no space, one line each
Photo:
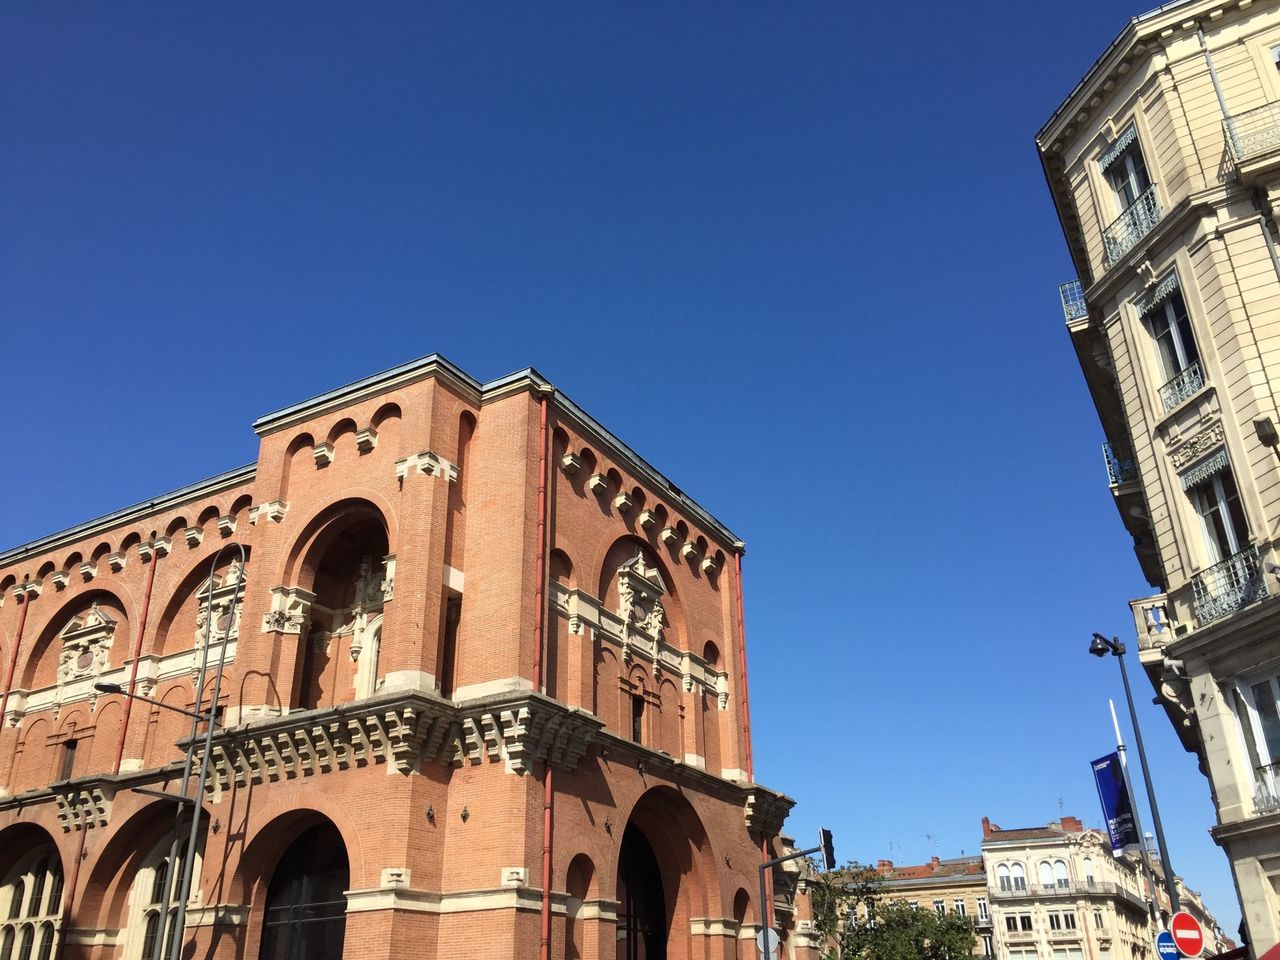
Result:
1166,949
774,941
1187,934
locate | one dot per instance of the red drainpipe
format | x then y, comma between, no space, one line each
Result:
742,660
13,658
137,652
539,604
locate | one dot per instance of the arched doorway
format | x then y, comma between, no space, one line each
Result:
306,910
642,905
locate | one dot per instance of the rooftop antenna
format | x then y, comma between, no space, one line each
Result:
933,841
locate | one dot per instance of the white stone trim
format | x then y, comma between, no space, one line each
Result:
463,901
219,914
492,688
454,579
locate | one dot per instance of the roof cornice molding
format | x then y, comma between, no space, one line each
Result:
166,501
1132,46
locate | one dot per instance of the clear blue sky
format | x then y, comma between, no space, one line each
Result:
802,257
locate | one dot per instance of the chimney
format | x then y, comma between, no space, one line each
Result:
934,861
884,866
986,828
1072,825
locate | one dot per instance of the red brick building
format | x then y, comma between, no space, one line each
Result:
485,696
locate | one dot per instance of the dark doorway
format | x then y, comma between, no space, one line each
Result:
642,919
306,914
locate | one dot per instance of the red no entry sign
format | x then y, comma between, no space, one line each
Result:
1187,934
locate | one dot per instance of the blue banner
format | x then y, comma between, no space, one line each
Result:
1117,805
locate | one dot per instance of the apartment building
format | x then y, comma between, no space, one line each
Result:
1057,893
957,885
1164,165
484,695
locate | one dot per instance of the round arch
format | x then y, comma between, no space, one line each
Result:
664,824
193,575
318,533
35,668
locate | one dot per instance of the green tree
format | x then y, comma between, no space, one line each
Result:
857,922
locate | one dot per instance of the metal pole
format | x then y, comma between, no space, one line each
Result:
1171,883
1143,856
188,863
764,904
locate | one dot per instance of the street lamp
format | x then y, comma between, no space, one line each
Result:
116,688
1100,647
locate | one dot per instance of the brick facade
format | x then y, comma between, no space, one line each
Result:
395,672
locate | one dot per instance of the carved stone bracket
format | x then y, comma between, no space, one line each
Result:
427,463
82,807
766,811
366,439
290,608
275,511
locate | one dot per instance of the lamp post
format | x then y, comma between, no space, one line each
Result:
1100,647
117,688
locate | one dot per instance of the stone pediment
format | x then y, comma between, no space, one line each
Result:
86,645
640,593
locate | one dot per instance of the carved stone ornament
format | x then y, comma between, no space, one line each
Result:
290,608
216,595
640,593
1196,446
86,645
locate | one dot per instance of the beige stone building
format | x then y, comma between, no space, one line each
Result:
1164,164
1057,892
957,885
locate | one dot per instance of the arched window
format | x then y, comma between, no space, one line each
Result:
1088,870
1046,874
153,879
1060,877
1002,877
306,914
1019,877
31,900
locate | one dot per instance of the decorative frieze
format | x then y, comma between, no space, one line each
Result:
88,571
570,463
623,502
366,440
323,454
689,550
647,519
669,536
60,579
226,525
84,806
274,511
597,483
1206,468
116,561
193,536
1197,445
708,564
158,547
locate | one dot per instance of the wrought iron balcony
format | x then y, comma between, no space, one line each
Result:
1182,386
1266,791
1222,589
1136,222
1119,469
1254,132
1073,305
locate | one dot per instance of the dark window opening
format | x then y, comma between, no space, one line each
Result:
68,760
449,643
637,717
306,913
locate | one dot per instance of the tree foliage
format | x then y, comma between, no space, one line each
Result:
857,922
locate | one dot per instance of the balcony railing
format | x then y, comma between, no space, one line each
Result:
1086,888
1136,222
1266,791
1119,469
1183,385
1254,131
1222,589
1073,305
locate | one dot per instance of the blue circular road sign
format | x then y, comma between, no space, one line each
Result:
1166,949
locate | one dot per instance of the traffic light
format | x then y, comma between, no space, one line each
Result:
828,849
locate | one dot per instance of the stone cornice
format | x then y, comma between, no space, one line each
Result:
403,729
85,802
